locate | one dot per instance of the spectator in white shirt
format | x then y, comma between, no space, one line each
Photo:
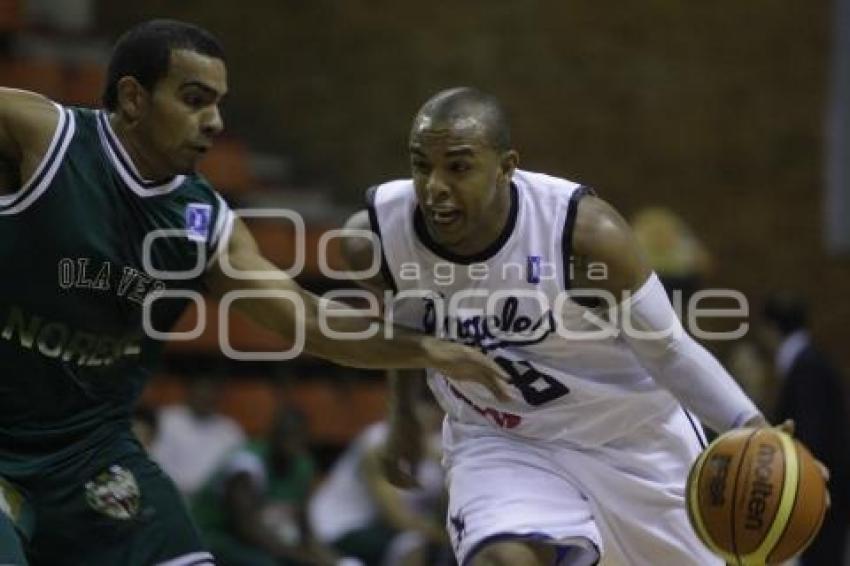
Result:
193,437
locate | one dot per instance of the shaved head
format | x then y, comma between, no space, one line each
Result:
466,108
462,164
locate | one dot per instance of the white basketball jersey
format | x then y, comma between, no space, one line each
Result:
510,301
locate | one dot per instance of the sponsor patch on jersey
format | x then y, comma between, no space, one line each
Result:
198,220
114,493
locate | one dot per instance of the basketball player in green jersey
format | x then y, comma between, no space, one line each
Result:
102,212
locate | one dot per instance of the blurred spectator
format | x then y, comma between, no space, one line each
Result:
253,510
193,438
145,425
73,16
677,256
811,393
361,514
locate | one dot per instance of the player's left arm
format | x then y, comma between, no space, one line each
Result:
285,306
674,359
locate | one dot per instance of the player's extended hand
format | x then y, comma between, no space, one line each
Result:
462,363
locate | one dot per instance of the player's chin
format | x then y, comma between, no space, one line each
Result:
450,234
188,166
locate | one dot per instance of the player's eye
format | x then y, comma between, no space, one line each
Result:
460,166
194,100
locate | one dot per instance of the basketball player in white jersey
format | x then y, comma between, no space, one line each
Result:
588,459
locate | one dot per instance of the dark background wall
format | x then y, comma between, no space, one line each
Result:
713,109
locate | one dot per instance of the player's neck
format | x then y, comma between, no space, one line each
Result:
147,165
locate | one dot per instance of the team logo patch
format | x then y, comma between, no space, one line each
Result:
114,493
198,219
532,269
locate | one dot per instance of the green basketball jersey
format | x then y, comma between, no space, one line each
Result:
83,244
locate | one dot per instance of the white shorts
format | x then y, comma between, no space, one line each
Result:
624,500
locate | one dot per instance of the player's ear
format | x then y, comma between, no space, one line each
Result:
132,99
509,163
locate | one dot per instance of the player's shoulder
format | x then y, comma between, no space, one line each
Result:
544,184
597,217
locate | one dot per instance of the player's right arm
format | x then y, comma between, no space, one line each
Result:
654,334
28,122
285,306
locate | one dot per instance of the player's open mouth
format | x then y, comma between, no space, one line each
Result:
445,217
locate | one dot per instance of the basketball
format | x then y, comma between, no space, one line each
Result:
756,496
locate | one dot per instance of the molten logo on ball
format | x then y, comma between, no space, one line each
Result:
762,488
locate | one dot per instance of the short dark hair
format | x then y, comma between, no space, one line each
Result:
786,311
465,101
144,53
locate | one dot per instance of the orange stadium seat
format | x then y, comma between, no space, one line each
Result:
164,390
368,403
252,403
42,76
10,15
276,238
228,167
84,84
335,412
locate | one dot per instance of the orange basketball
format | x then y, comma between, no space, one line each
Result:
756,496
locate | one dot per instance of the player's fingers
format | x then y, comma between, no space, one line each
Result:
495,385
824,471
787,427
495,380
496,370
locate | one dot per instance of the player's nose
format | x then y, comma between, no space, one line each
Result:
436,190
212,123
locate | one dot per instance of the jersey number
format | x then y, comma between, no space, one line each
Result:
536,387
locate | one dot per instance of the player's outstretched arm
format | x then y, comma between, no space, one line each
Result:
654,332
296,306
28,122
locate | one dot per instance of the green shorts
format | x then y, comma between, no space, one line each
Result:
107,506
